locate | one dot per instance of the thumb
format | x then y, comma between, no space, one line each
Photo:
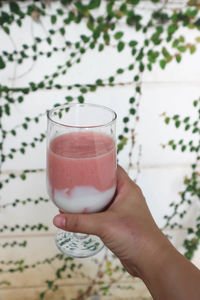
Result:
82,223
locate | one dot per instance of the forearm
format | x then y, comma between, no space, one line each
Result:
170,276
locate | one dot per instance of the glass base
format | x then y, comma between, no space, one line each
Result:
78,244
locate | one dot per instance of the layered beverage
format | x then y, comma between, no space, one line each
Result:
81,171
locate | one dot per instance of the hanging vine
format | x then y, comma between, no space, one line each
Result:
160,43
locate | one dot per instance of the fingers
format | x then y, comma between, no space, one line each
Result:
82,223
121,174
122,178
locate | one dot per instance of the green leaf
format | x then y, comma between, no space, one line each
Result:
120,46
7,109
53,19
13,132
125,119
175,117
23,176
192,49
99,82
4,18
195,103
156,38
60,12
133,43
12,175
106,38
66,2
136,78
132,100
6,29
120,71
14,7
132,111
118,35
192,13
94,4
195,130
80,99
90,24
83,90
22,150
178,58
138,89
133,2
131,67
62,30
175,43
190,230
51,31
167,120
186,119
2,63
42,294
162,63
69,98
165,53
183,148
50,283
82,50
149,67
172,28
182,48
141,67
187,127
181,39
20,99
49,41
101,47
19,22
134,51
177,124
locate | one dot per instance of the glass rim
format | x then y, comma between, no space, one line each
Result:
50,112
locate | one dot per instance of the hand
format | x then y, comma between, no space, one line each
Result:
126,227
128,230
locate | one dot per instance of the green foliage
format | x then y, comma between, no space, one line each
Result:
191,183
2,63
159,44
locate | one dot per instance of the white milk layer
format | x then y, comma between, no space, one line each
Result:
81,199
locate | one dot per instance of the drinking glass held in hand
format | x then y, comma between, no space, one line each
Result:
81,167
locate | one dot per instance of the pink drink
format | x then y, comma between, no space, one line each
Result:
81,171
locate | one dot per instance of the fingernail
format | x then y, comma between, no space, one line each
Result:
59,221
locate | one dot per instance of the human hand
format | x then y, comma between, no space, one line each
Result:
129,231
126,227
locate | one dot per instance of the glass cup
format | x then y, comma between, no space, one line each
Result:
81,167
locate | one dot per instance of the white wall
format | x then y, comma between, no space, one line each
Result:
162,170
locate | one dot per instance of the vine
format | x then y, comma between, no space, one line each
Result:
160,43
191,193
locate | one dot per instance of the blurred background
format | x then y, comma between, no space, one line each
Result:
140,58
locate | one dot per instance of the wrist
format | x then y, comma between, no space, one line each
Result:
155,255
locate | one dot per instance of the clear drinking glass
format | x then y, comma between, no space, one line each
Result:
81,167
